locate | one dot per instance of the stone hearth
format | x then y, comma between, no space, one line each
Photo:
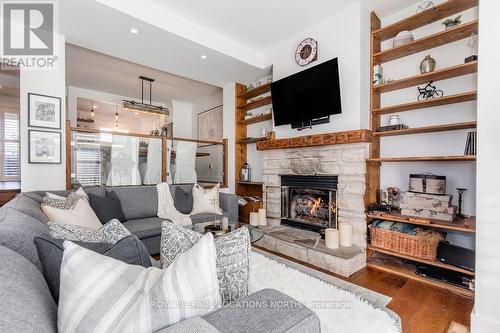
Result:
307,246
345,160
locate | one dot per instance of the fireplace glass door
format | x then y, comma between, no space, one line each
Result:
315,207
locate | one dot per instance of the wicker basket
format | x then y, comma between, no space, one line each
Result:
420,246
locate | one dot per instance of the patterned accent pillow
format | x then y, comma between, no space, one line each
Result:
101,294
233,256
111,232
66,203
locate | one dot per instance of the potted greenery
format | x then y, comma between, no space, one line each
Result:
450,23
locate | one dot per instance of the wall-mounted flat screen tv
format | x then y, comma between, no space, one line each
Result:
311,94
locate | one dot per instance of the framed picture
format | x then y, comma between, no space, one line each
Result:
44,147
210,124
44,111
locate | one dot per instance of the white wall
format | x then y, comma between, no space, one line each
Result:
182,114
430,144
52,83
485,316
205,104
344,35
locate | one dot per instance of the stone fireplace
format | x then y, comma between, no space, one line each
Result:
343,162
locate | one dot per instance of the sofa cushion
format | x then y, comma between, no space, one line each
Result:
81,214
17,231
107,208
146,227
183,197
233,257
27,305
206,200
28,206
138,202
109,233
130,250
121,297
205,217
292,317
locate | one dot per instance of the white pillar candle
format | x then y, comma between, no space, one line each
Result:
345,234
254,219
262,216
225,223
332,238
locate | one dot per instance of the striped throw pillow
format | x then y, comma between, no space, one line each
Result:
101,294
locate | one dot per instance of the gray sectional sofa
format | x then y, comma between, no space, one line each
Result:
28,306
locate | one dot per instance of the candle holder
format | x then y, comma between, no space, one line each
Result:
460,200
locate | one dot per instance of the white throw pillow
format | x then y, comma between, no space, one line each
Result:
80,214
206,201
101,294
80,191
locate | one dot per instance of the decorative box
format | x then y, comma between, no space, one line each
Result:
429,213
428,184
429,201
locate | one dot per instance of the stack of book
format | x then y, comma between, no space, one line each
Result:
430,206
471,144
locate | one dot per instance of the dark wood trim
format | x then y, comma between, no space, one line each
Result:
164,171
225,183
327,139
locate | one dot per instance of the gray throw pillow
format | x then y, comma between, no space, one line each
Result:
130,250
111,232
233,257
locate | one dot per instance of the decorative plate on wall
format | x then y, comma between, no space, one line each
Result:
307,52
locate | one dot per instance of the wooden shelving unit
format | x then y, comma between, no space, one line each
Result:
440,74
459,224
382,259
461,31
402,268
242,140
458,158
429,129
451,99
256,119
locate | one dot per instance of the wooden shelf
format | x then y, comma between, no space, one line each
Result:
256,119
396,266
458,158
256,104
435,263
250,183
251,140
439,12
429,129
459,224
265,88
464,30
441,74
451,99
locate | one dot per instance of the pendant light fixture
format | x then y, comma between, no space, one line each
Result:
143,106
92,109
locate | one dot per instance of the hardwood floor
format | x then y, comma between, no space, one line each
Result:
422,308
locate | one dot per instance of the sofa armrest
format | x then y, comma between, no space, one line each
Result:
229,204
265,311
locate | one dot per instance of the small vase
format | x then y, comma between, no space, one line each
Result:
427,65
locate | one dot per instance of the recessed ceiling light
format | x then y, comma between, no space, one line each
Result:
203,57
134,30
95,106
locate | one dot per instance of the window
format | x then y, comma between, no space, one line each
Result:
10,146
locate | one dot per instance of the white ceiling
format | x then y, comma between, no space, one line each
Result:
173,34
96,71
262,23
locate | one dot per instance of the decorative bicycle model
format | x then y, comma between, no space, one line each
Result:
429,91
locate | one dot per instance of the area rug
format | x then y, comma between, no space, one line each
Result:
339,310
376,299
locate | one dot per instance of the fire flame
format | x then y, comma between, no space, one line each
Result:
314,205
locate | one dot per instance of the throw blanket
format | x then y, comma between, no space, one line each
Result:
166,208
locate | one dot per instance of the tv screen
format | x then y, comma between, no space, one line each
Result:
311,94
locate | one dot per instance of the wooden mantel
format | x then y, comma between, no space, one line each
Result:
327,139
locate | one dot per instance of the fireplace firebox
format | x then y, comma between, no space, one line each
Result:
309,202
